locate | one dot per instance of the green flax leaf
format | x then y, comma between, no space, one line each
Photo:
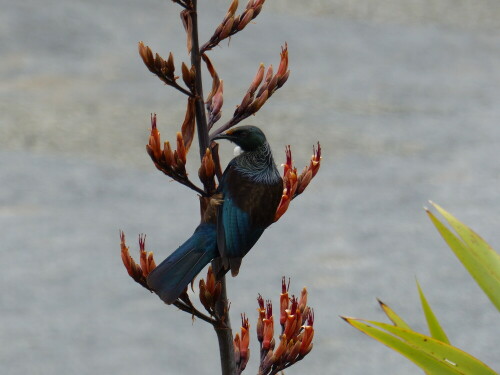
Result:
458,359
488,257
432,322
396,319
429,363
479,259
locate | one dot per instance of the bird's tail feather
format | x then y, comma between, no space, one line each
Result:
173,275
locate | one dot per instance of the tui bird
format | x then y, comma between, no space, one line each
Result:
250,191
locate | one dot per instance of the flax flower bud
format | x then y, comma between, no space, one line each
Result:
232,8
181,150
204,296
133,269
169,66
143,257
154,139
303,300
284,300
307,335
280,350
247,100
236,344
268,331
259,76
244,342
226,30
293,351
282,79
261,100
207,168
291,181
269,74
267,362
218,99
245,19
271,87
167,153
316,159
290,325
260,320
210,291
186,75
188,125
304,180
283,67
210,280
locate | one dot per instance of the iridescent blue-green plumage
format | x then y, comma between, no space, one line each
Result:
251,189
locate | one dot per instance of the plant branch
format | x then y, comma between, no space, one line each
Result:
193,311
163,69
232,24
181,89
223,328
181,3
187,182
201,119
261,88
224,333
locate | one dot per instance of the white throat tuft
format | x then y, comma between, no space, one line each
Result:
237,151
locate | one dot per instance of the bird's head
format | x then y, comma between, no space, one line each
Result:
248,137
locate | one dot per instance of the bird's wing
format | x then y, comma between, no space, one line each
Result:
237,228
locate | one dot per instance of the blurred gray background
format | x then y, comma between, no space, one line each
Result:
404,97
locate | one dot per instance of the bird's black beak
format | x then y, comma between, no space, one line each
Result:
227,135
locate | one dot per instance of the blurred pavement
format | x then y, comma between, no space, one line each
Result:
404,99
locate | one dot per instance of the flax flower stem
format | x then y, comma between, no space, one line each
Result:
223,328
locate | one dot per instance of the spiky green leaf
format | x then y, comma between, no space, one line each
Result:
432,322
426,362
395,318
478,258
446,353
433,356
